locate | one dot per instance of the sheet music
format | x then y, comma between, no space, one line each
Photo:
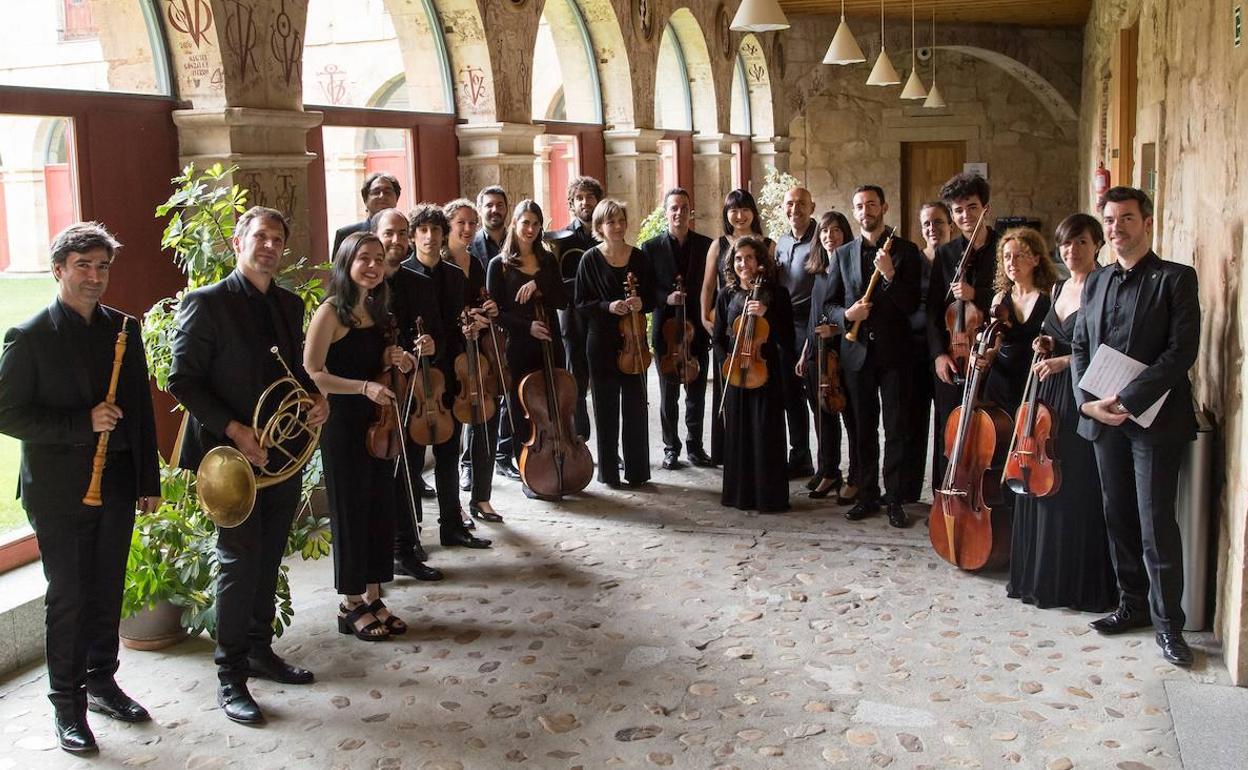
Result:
1109,372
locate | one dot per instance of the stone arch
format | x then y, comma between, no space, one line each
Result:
1048,95
573,56
426,59
612,57
757,75
472,69
698,69
673,104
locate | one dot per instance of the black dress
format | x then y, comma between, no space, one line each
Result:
1008,376
1059,552
359,487
755,444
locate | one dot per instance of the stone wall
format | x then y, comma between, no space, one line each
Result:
1192,101
847,133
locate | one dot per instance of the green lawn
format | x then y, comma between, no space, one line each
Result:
19,299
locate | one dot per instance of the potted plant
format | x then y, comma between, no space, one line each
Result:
771,201
172,567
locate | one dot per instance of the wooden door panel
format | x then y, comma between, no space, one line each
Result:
925,167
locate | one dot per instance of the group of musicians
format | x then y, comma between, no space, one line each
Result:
840,324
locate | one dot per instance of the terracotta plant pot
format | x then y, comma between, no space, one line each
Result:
154,629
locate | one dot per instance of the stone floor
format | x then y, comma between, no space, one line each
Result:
655,628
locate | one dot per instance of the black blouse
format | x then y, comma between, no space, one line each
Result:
598,284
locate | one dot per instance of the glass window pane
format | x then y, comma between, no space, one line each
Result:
82,45
351,154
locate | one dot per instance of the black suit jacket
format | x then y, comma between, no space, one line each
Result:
46,401
341,235
1165,335
663,265
220,364
886,332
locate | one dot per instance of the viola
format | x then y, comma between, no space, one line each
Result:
963,318
831,398
554,460
429,421
634,356
474,405
746,368
677,364
1031,465
967,525
384,438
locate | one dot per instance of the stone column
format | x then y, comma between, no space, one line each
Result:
773,151
712,179
269,148
633,172
497,153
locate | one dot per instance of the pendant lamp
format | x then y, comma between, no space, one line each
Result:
759,16
914,84
844,48
883,73
934,100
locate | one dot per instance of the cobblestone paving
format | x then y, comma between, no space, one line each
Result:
654,628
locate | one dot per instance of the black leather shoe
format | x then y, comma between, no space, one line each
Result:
507,470
269,665
814,481
426,491
862,510
467,522
116,704
465,478
1122,620
1174,648
412,567
897,515
477,513
671,462
699,458
459,538
238,705
418,552
74,734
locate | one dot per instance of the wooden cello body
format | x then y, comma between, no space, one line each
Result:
967,526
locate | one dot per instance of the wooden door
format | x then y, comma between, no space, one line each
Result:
925,166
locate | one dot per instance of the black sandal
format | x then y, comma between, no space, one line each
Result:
393,624
347,621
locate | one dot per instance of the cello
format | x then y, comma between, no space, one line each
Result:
384,438
429,422
1031,466
634,356
677,364
963,318
963,527
746,368
554,461
475,404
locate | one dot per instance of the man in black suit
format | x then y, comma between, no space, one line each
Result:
1148,309
875,364
222,362
679,252
54,376
492,206
379,192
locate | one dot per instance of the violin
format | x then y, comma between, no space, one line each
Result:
474,405
429,422
384,438
499,384
964,528
963,318
831,398
554,460
634,356
1031,465
745,368
676,364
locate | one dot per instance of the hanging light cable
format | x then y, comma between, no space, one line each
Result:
914,84
883,73
934,100
844,48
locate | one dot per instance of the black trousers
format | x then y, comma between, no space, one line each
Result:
250,555
619,396
874,391
695,407
828,433
717,420
1139,483
944,399
917,427
84,554
572,322
796,406
445,478
480,447
408,508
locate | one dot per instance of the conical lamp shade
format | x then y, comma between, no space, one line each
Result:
883,74
934,100
914,87
844,48
759,16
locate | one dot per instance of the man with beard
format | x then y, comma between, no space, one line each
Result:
380,191
492,206
568,245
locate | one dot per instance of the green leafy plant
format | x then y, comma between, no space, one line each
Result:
173,550
771,201
654,223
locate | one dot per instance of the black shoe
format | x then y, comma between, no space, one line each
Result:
461,538
1122,620
412,567
671,461
465,478
267,665
425,491
1174,649
862,510
465,521
814,481
699,458
116,704
507,470
74,734
819,491
238,705
489,516
897,516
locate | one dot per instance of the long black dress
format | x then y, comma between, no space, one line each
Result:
1008,376
1059,553
360,488
755,444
